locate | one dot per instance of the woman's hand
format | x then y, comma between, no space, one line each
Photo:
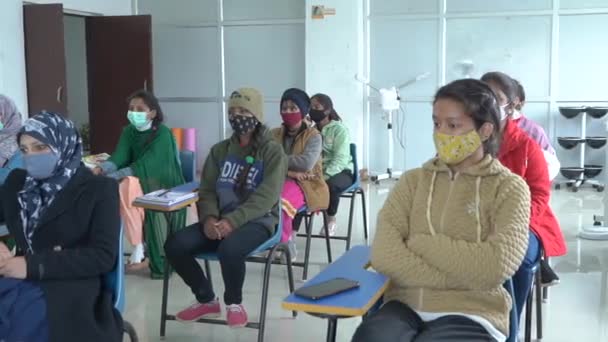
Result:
14,267
97,171
224,227
209,228
5,253
300,176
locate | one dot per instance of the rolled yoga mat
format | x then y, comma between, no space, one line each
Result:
189,142
178,133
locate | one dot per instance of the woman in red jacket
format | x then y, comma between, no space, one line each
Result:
524,157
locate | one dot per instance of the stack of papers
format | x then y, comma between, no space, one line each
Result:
166,197
94,160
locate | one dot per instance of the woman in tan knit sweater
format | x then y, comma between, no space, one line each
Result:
452,232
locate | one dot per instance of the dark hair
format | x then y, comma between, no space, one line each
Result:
506,85
479,102
327,104
257,139
152,102
521,94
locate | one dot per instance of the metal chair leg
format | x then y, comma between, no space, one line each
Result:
350,219
539,306
528,326
327,237
163,309
208,273
308,223
265,285
285,249
364,208
128,329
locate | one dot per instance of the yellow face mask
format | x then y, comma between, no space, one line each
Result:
453,149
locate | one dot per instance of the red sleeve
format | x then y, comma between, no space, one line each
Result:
537,177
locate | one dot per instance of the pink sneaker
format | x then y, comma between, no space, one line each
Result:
198,310
236,316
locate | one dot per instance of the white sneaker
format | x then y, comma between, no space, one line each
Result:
331,226
138,254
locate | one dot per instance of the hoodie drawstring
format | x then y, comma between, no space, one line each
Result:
477,207
429,201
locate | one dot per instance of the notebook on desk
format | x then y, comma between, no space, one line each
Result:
166,197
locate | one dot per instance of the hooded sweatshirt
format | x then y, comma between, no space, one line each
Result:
219,196
448,241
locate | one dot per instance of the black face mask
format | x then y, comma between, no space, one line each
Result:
242,125
317,115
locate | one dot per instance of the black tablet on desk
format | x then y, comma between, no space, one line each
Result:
327,288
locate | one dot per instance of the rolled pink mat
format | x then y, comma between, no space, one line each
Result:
189,139
178,133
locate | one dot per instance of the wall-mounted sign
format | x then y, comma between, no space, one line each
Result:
319,12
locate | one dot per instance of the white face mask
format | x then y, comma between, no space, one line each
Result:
503,112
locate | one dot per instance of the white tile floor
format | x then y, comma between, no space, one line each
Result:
577,309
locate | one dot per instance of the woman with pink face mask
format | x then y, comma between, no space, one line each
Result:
302,143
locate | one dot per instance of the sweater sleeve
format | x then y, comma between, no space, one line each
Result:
97,256
208,201
268,192
340,156
306,160
537,178
390,254
486,264
122,154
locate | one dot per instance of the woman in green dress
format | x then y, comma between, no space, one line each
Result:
145,160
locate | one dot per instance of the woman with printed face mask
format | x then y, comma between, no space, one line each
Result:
534,130
10,124
66,225
337,162
145,160
451,232
238,210
305,184
524,157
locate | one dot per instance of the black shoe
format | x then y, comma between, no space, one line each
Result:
548,277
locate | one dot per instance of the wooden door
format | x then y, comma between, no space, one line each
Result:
119,62
45,58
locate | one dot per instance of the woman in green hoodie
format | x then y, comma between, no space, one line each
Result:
337,162
238,209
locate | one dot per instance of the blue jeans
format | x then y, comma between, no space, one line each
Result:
22,311
522,279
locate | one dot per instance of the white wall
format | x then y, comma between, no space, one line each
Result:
76,69
334,54
12,58
12,55
201,56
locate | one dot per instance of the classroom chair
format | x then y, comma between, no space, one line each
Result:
309,218
114,281
272,246
537,296
351,193
188,164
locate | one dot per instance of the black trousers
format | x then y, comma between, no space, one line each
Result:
397,322
182,247
337,184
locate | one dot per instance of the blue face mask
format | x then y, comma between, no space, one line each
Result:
1,125
41,165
